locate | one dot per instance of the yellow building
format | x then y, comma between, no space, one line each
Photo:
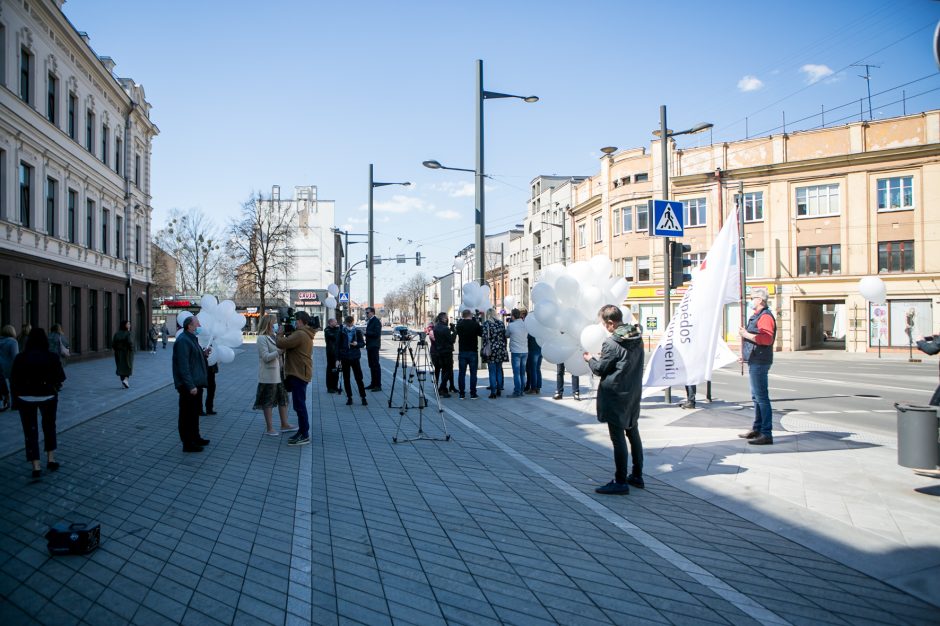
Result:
823,208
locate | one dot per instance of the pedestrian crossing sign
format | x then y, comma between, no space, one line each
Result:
343,298
666,218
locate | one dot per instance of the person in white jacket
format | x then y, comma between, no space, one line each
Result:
271,391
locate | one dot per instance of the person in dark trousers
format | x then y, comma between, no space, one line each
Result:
330,335
560,384
35,379
620,367
758,352
123,345
373,344
152,338
189,378
444,352
348,353
689,397
211,371
298,371
164,335
468,330
533,367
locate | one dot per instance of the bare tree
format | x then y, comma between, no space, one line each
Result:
261,248
412,293
193,240
163,272
394,302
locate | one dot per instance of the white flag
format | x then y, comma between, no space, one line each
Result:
692,345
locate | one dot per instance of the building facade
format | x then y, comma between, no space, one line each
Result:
313,240
497,262
75,202
439,296
822,209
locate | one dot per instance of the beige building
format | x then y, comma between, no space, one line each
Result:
823,208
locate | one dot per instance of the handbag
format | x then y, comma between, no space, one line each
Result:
486,351
929,346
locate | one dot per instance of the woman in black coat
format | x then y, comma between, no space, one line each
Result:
34,382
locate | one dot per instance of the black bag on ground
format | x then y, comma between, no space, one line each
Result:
929,345
77,538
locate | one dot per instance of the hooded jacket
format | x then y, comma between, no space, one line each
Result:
620,368
298,353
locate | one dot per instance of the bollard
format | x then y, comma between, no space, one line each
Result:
918,428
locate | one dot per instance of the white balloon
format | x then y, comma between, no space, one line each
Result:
509,302
181,317
226,354
208,303
576,365
330,302
483,301
333,290
592,338
619,288
459,264
601,266
572,322
567,289
231,338
206,321
535,328
582,272
542,291
551,273
226,307
873,289
213,357
239,321
558,350
545,312
592,298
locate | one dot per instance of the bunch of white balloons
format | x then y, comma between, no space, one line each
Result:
474,297
221,328
333,290
566,301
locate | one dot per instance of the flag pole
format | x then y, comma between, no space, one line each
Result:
742,261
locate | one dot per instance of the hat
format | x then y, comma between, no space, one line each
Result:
759,292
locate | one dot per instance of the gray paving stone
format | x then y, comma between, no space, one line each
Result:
214,606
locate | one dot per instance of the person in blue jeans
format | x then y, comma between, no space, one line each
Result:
518,350
298,371
468,329
758,352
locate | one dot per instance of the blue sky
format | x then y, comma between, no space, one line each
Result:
250,94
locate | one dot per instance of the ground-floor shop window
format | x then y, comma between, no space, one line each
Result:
900,322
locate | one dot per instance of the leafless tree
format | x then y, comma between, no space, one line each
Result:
412,292
394,302
163,272
261,248
193,240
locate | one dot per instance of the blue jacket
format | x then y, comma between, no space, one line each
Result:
189,365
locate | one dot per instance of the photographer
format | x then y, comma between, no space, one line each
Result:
444,353
468,329
373,344
931,346
298,370
348,344
330,335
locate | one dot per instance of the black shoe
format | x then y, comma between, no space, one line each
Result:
474,396
444,394
751,434
687,405
375,389
614,488
492,395
364,402
192,448
636,481
348,400
52,466
210,412
461,396
761,440
37,473
298,440
499,393
557,396
576,395
202,442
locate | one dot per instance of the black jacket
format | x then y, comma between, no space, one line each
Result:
467,332
343,351
620,367
374,333
443,339
330,334
36,373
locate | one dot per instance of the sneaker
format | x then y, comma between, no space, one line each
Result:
272,433
576,395
687,405
613,488
474,396
462,396
636,481
761,440
125,383
375,389
364,402
751,434
298,440
557,396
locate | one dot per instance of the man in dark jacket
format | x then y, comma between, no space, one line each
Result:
620,368
189,378
468,329
373,343
444,352
348,344
758,352
330,334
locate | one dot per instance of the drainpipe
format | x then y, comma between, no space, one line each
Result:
127,212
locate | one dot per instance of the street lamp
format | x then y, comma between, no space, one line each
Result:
373,185
664,135
479,172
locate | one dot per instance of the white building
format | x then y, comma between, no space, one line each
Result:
75,147
496,262
439,296
312,267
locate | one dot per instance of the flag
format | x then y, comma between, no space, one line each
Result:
692,345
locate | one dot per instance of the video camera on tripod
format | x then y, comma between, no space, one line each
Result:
402,333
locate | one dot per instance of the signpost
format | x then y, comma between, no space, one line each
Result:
343,297
666,218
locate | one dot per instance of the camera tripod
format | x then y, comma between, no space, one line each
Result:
416,372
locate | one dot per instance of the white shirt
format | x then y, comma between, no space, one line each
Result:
518,337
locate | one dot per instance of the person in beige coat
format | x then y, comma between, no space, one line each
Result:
271,391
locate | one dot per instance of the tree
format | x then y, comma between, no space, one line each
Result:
261,248
193,240
412,293
163,272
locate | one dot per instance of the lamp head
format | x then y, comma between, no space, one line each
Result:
434,165
700,127
608,150
531,99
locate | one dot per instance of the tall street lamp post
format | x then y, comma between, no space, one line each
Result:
372,185
664,135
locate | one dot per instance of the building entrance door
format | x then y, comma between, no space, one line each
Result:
820,325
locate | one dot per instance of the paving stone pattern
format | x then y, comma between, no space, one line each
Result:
356,529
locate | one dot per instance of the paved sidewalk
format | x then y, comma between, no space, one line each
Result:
500,524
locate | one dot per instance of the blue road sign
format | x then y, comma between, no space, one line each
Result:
343,297
666,218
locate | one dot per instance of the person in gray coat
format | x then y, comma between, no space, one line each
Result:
189,378
620,368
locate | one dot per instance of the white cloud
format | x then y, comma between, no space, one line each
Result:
815,73
455,190
401,204
448,214
750,83
357,220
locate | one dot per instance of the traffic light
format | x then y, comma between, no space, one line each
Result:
418,259
678,262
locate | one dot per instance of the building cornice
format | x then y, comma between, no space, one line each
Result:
587,205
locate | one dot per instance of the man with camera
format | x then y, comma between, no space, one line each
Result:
373,343
444,354
298,370
931,346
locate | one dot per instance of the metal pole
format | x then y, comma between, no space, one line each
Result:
502,273
480,202
348,306
371,275
667,305
742,274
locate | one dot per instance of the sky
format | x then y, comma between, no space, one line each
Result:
252,94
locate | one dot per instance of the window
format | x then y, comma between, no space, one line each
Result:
818,260
3,76
108,314
73,107
72,200
896,194
137,244
642,269
582,236
118,235
895,256
31,302
696,258
118,154
92,319
105,131
52,100
89,131
598,229
641,178
105,214
616,221
628,269
55,304
754,206
642,218
75,319
26,194
89,224
695,211
817,201
50,206
753,263
122,306
137,170
4,291
26,75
